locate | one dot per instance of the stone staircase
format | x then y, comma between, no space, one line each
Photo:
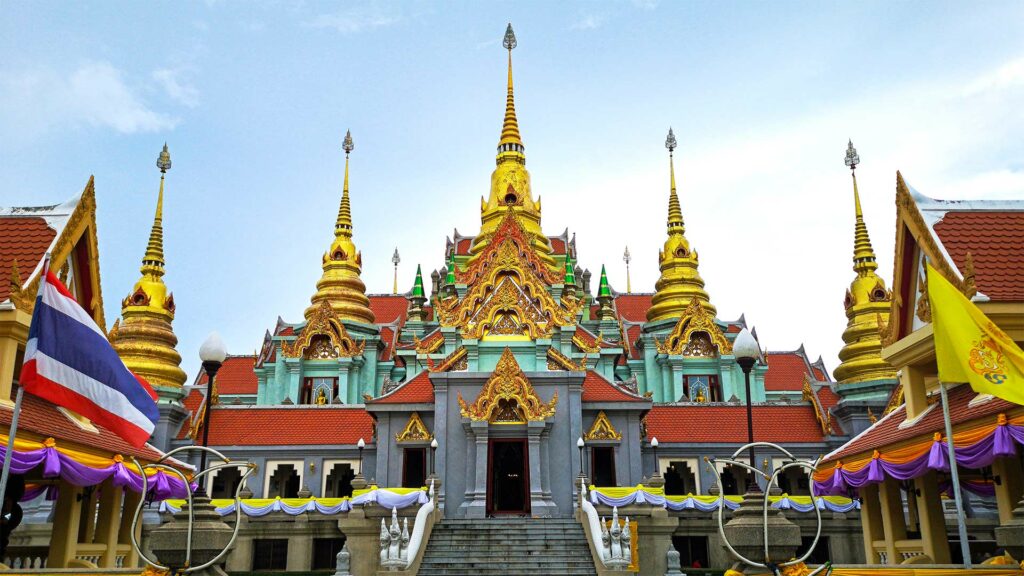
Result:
513,546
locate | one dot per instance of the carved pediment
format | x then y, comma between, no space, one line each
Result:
695,334
602,429
324,337
414,431
508,397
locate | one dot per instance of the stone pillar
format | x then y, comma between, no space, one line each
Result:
300,546
240,559
654,540
109,522
747,534
66,517
476,491
1009,488
871,521
362,538
539,505
931,518
130,502
894,525
210,535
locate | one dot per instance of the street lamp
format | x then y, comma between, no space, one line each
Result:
746,351
580,444
212,353
361,444
654,446
433,454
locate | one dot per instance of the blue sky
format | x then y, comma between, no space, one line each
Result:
254,100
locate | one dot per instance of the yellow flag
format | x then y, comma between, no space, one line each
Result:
971,348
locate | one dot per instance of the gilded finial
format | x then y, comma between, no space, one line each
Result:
509,42
347,145
670,141
163,162
852,159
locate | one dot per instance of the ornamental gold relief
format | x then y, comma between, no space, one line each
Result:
684,340
324,337
508,397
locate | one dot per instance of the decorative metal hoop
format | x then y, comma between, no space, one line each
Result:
809,466
247,470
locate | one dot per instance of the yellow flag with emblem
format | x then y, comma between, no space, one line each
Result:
971,348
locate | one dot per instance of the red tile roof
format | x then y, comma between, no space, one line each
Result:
786,371
387,309
597,389
996,242
418,390
24,239
827,397
733,329
887,432
633,335
387,337
557,245
284,425
818,374
728,424
45,420
236,376
287,331
462,248
633,307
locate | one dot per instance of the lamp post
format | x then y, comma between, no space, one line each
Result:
746,351
212,353
433,455
580,444
654,447
361,444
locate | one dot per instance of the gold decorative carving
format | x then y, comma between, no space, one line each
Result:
602,429
508,396
559,361
415,430
923,309
695,319
969,288
895,400
454,362
430,344
823,417
588,348
323,337
509,239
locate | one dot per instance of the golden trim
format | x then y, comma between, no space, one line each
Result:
456,361
562,362
694,319
415,430
823,418
508,389
583,346
602,429
324,322
434,341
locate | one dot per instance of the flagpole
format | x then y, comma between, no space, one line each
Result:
965,548
8,456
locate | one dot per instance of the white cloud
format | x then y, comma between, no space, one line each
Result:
587,22
94,94
176,87
1006,76
353,21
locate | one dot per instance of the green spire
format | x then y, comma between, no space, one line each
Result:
450,278
604,291
417,286
570,272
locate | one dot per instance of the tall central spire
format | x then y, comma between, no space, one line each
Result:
343,226
863,253
510,182
153,261
675,213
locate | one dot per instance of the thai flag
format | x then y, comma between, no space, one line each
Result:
69,362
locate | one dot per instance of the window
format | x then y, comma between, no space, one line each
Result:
325,552
679,479
702,388
602,465
693,551
225,482
734,480
319,391
284,482
338,482
270,554
794,482
414,467
820,555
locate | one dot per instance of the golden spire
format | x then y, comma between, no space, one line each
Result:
680,281
144,337
510,182
340,284
343,226
867,303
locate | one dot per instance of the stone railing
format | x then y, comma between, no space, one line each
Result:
613,548
25,562
399,550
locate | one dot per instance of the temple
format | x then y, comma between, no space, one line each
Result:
508,390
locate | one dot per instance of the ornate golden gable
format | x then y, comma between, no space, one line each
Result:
430,344
456,361
602,429
508,244
415,430
508,397
695,319
324,337
559,361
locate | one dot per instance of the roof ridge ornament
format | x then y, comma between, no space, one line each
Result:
509,42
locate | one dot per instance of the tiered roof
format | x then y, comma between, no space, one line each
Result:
727,424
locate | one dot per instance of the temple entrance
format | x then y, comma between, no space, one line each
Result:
508,482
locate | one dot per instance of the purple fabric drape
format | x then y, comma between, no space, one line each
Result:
1001,442
58,465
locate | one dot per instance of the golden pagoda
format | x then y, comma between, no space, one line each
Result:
680,281
143,336
340,284
510,181
867,304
